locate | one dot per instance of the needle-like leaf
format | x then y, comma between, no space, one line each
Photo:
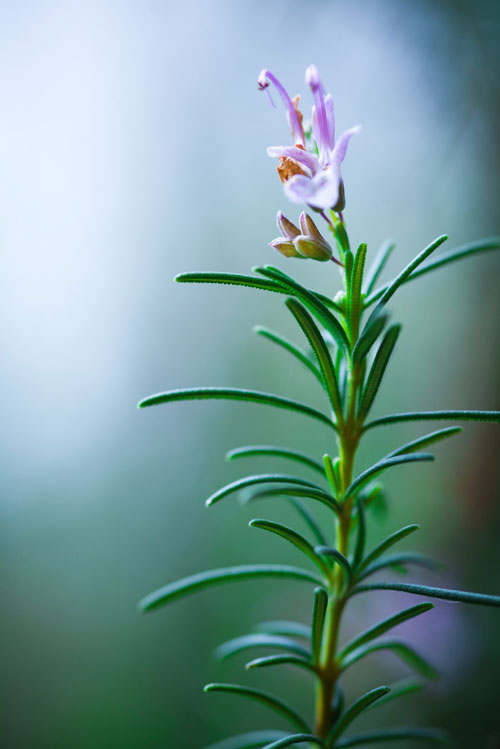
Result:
300,491
321,352
493,416
394,734
355,306
252,740
293,739
425,441
260,640
359,549
403,651
238,394
398,560
383,465
264,478
386,544
378,368
297,352
318,620
352,713
292,537
378,265
201,580
328,551
284,627
265,699
384,626
280,660
369,335
480,599
309,519
400,689
250,451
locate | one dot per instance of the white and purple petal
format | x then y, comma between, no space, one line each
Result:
265,78
305,158
320,191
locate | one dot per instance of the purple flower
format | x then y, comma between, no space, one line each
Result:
313,178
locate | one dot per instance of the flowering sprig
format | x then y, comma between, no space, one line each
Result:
350,349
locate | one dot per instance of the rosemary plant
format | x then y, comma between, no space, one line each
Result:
349,344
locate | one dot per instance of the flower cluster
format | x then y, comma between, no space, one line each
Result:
311,175
306,242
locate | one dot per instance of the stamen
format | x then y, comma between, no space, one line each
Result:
266,77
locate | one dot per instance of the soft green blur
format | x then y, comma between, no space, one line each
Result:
132,147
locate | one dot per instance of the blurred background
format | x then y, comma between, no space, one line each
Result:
132,147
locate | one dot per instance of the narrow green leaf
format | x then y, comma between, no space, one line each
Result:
362,704
313,303
383,465
299,491
265,699
482,245
369,335
355,306
297,738
386,544
328,551
259,640
252,740
426,440
231,279
384,626
394,734
238,394
279,660
297,352
348,264
201,580
264,478
493,416
420,560
378,368
401,689
309,519
318,620
292,537
403,651
321,352
250,451
378,265
481,599
359,549
284,627
391,288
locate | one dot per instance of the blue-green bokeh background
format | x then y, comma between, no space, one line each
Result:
132,147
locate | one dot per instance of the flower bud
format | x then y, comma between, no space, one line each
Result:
286,247
309,227
309,247
286,227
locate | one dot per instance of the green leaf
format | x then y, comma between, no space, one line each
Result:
382,465
328,551
363,703
318,620
265,699
359,549
284,278
384,626
387,543
312,302
252,740
284,627
292,537
201,580
264,478
401,689
299,491
403,651
297,738
331,475
369,335
394,734
321,352
387,292
348,264
278,660
482,245
481,599
231,279
493,416
426,440
355,305
250,451
297,352
378,368
378,265
238,394
259,640
309,519
401,560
